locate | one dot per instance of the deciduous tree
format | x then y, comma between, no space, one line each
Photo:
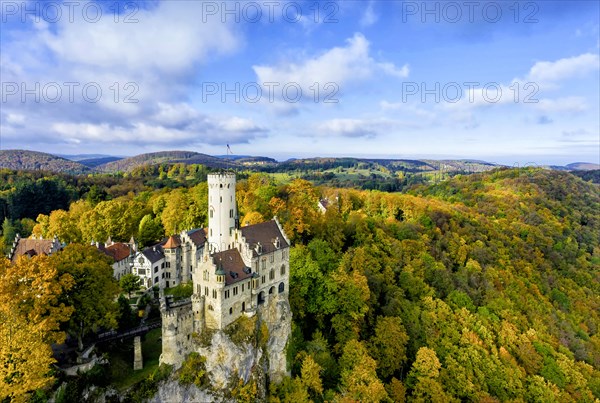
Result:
30,316
93,294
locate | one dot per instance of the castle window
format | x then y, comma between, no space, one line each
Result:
221,186
256,266
283,254
162,275
235,291
227,294
167,284
231,213
242,287
214,294
221,199
283,270
272,258
264,263
210,308
210,213
155,279
263,279
155,269
206,291
230,311
281,287
272,274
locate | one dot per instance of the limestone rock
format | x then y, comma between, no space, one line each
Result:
278,317
227,362
172,391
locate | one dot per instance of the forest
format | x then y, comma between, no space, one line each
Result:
481,287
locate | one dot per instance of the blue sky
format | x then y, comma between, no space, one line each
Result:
505,81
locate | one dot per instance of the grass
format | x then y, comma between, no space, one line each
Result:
120,355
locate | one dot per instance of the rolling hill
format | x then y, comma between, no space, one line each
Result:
174,157
37,161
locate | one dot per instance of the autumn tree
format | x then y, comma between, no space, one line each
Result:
93,294
359,378
388,345
423,377
31,312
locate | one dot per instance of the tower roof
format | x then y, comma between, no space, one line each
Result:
171,243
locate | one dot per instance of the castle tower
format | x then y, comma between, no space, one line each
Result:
221,211
172,260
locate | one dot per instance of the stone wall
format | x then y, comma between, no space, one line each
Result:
177,331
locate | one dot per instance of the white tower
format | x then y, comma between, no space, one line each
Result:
221,211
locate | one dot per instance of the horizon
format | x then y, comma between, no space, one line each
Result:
283,157
503,82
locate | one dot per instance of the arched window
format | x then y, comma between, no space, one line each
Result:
282,270
272,290
281,287
272,274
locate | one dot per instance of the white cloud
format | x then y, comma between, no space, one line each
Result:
169,39
369,17
546,72
563,105
339,65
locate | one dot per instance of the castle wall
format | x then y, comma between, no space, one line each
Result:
177,331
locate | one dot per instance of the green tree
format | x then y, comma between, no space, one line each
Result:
130,283
8,233
388,345
94,292
127,316
150,229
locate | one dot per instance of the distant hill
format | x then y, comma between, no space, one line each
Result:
83,157
414,166
33,160
162,157
95,162
583,166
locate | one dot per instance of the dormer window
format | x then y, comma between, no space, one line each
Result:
259,248
277,243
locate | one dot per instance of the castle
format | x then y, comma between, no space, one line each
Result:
235,271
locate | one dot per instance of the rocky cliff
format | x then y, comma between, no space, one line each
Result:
250,350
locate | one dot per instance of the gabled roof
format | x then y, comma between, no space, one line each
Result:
230,261
198,236
154,253
118,251
32,247
264,233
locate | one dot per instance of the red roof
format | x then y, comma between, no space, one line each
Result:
118,251
171,243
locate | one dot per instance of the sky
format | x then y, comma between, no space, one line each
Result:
512,82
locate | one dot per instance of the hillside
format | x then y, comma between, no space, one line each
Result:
95,162
33,160
482,287
172,157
